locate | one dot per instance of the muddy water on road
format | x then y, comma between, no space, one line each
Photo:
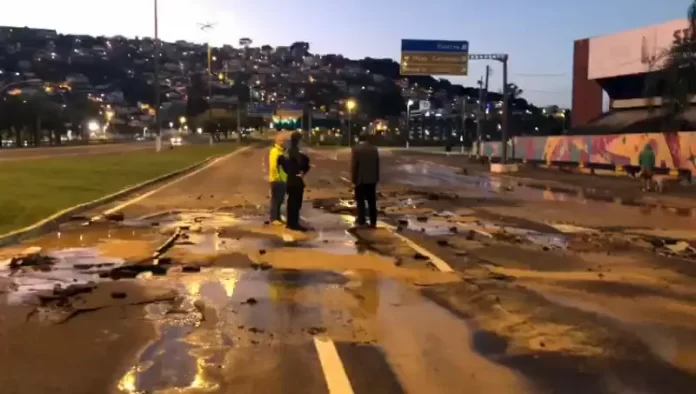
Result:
505,196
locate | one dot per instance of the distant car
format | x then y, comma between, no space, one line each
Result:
175,141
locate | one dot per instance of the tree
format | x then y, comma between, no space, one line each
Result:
514,91
673,73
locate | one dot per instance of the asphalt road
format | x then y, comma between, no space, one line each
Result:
474,285
66,151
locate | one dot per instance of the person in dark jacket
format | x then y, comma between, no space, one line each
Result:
364,166
296,165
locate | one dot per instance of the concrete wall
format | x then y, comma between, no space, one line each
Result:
673,150
587,93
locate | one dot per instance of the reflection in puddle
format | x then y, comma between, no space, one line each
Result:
75,266
194,352
167,364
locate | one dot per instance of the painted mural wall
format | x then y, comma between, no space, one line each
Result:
673,150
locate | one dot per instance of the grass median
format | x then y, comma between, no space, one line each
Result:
31,190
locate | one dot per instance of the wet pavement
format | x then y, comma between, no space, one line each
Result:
470,285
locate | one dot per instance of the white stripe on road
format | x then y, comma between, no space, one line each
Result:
168,184
437,262
331,365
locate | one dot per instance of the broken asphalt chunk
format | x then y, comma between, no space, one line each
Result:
316,330
115,216
189,269
420,256
250,301
131,271
118,295
32,257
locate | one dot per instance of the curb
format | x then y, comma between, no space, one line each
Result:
54,220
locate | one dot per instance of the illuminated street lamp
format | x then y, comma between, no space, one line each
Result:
350,105
93,126
408,121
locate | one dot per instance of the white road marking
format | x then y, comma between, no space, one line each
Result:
331,365
437,262
344,179
168,184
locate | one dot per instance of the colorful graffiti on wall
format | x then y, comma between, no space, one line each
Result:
673,150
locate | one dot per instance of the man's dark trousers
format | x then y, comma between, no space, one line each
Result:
277,197
366,194
294,205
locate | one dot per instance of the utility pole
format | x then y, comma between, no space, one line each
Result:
483,87
503,58
309,123
506,111
158,135
484,113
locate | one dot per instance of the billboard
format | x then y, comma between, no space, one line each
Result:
634,51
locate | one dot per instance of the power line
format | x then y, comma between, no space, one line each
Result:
547,91
541,75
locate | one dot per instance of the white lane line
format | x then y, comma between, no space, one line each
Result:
437,262
168,184
334,373
344,179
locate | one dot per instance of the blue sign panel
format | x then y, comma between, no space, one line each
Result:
291,107
261,110
442,46
434,57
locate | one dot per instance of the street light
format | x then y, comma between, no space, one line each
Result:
158,128
350,105
205,27
408,121
93,126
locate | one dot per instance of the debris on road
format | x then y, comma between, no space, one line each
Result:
115,216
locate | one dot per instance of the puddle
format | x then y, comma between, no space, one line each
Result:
166,364
199,220
223,314
446,225
424,174
75,266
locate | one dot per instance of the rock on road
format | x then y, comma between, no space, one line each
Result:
546,295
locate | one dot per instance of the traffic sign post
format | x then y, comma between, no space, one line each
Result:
434,57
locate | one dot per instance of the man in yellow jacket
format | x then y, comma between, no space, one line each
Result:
277,178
